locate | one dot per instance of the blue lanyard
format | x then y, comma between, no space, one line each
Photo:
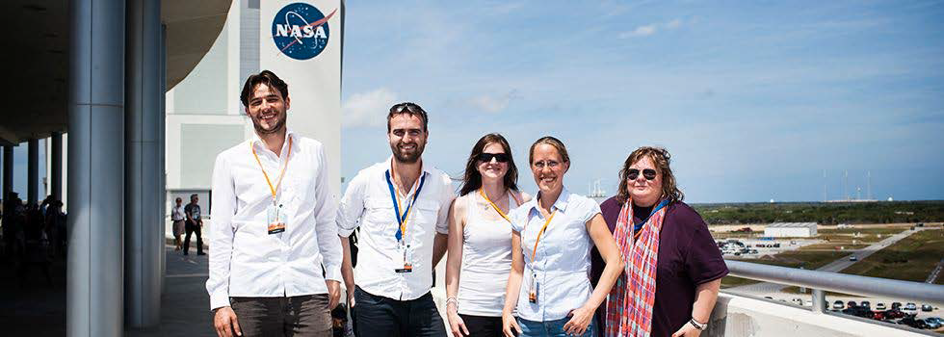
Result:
396,204
636,227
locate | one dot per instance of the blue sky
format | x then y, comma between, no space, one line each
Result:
753,99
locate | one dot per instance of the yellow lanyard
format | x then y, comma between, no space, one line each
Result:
503,215
538,239
273,189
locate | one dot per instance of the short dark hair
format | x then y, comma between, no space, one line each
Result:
178,199
264,77
193,196
473,179
408,108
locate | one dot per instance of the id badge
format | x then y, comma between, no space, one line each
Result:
533,289
406,253
275,218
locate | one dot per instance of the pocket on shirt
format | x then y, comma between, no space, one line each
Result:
427,212
379,212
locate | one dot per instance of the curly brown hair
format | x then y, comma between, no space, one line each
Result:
661,158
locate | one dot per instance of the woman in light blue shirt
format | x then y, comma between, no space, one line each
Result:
551,239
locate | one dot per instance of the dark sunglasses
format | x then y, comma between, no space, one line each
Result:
487,157
411,107
632,174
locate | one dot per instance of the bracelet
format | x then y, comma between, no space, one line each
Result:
453,300
697,325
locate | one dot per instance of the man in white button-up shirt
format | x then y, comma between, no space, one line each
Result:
401,206
275,262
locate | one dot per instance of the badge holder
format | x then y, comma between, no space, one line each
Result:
533,289
407,259
275,219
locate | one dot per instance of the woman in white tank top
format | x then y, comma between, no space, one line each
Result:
479,257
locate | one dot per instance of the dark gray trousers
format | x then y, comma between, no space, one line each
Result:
283,316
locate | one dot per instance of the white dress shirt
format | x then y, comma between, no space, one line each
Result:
367,203
563,256
246,261
178,214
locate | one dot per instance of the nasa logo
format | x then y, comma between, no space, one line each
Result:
301,31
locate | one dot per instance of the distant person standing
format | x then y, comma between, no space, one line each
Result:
194,224
178,217
275,266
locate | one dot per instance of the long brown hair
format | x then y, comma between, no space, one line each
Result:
661,158
473,179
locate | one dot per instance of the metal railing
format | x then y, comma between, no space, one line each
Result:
821,281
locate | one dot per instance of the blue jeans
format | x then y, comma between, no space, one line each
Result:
550,328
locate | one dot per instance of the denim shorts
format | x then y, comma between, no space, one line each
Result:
550,328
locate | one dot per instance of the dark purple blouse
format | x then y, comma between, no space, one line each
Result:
688,256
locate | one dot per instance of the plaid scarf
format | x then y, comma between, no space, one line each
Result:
629,305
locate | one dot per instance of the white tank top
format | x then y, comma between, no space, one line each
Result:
486,258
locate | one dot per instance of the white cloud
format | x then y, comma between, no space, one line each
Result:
368,108
673,24
493,104
650,29
639,32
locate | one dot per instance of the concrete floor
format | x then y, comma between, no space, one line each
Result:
37,308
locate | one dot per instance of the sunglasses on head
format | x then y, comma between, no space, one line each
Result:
411,107
487,157
632,174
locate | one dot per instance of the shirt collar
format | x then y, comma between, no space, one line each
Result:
423,168
257,142
560,204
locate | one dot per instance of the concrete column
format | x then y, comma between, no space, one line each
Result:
162,135
96,172
144,243
55,163
32,172
7,171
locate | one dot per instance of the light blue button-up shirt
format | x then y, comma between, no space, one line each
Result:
561,266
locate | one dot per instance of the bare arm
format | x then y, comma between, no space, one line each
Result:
605,243
455,242
347,271
440,244
514,286
705,296
453,267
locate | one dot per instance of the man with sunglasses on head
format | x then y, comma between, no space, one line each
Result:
275,266
401,206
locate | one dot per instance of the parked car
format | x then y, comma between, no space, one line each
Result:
797,301
914,323
894,314
934,319
896,305
932,324
853,258
910,307
866,304
880,306
838,305
926,308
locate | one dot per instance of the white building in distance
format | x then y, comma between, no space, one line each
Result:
790,230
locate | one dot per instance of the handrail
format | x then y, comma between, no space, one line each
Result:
836,282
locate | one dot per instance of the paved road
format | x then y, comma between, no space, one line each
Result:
765,288
934,273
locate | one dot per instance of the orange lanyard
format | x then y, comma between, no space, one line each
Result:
273,189
538,239
503,215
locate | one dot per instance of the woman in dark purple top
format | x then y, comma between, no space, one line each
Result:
689,266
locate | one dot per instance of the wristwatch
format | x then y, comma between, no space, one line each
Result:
697,325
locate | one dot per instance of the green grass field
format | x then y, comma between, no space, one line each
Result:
910,259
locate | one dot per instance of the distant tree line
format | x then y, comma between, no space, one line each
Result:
826,213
